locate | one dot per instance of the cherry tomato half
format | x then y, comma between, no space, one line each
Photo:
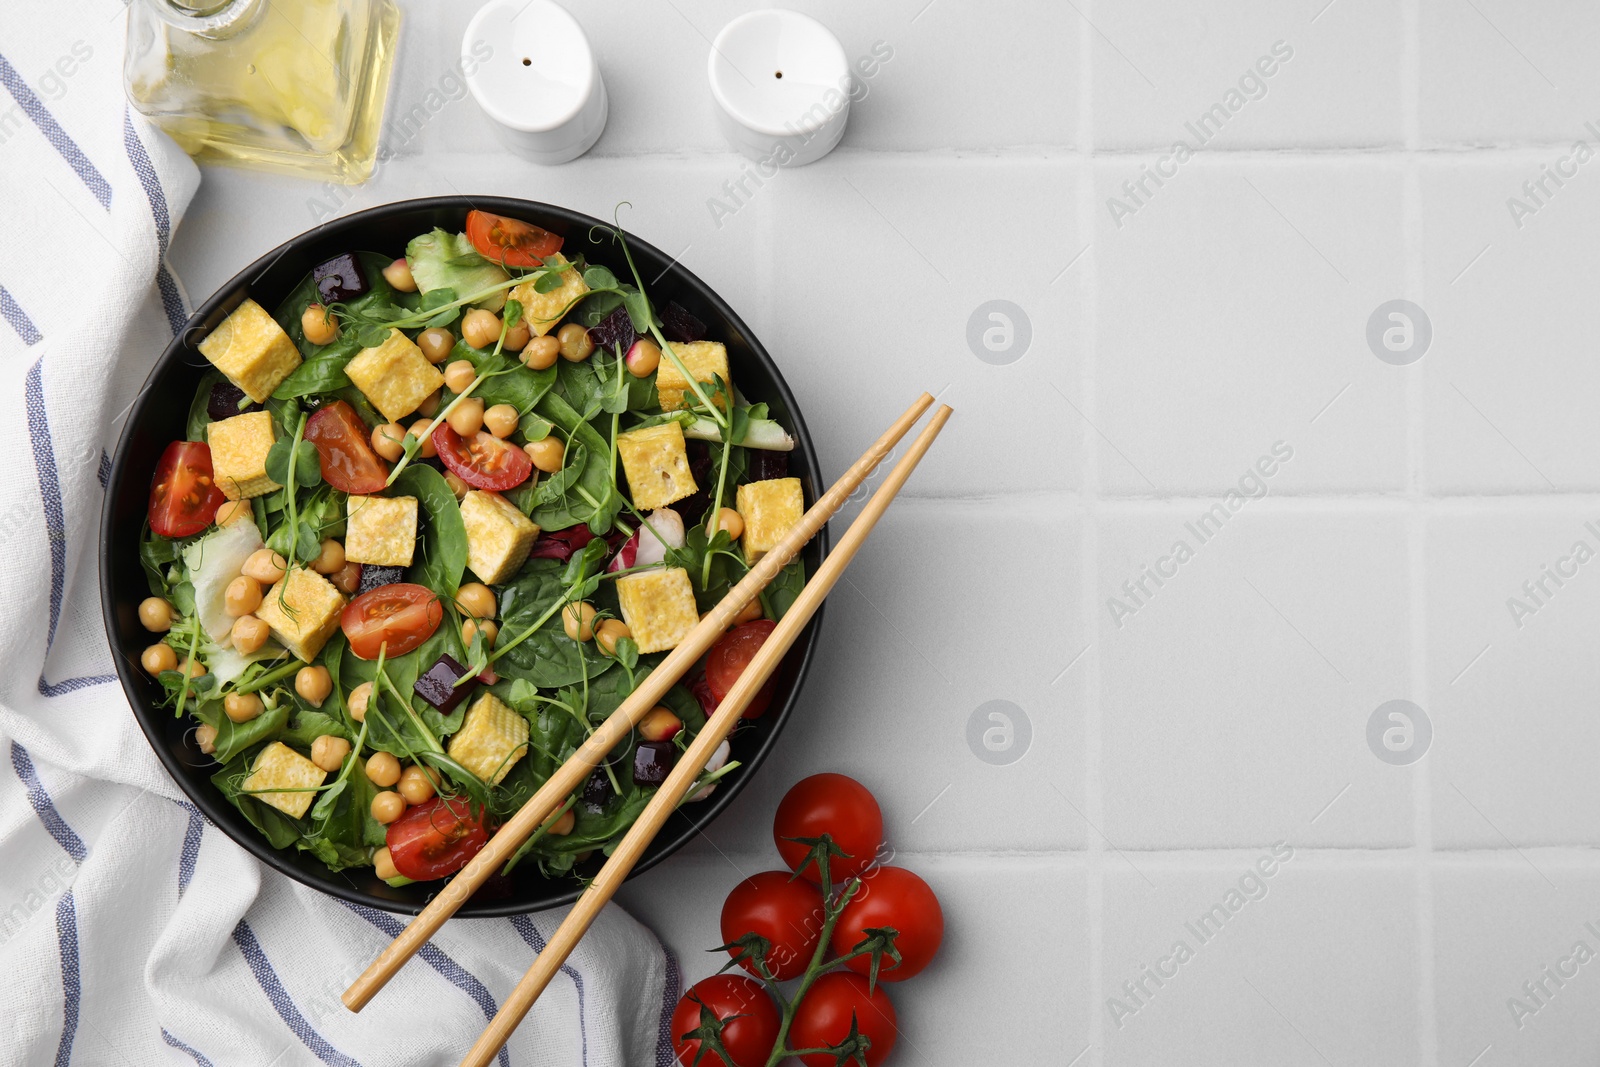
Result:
749,1017
483,460
823,1018
731,655
892,896
344,447
401,614
832,804
788,913
510,241
184,497
435,838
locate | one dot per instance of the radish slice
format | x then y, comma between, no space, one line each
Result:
718,760
644,548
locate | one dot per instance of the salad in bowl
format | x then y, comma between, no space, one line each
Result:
432,516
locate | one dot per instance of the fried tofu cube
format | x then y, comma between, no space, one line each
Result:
542,311
706,361
491,739
395,376
499,536
302,611
252,350
281,767
239,448
656,462
381,530
658,606
770,509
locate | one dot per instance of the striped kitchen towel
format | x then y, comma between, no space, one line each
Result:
131,930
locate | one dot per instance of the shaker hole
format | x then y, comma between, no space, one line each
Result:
777,74
526,62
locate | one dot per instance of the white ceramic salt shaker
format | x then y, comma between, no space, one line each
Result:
782,86
539,80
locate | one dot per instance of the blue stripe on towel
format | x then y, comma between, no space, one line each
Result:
267,978
199,1059
171,298
45,808
531,935
30,103
71,977
12,312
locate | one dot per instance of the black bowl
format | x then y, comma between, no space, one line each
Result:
158,417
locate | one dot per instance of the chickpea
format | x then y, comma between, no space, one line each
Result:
436,344
541,353
193,668
578,620
430,404
348,578
459,375
471,628
643,358
242,596
659,724
416,784
480,328
265,566
383,769
457,486
501,420
388,441
517,336
205,735
330,559
575,344
383,865
609,632
158,658
314,684
387,807
423,429
749,613
155,615
477,600
398,274
730,520
548,454
242,707
249,634
319,325
329,751
467,417
563,825
360,696
233,510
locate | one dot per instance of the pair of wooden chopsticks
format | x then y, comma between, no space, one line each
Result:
581,764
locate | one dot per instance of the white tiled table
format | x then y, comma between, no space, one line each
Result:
1226,314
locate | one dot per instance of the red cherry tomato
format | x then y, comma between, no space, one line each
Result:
344,445
892,896
787,913
401,614
435,838
511,241
184,497
823,1018
836,805
483,460
749,1017
731,655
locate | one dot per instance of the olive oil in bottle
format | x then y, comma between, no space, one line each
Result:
288,85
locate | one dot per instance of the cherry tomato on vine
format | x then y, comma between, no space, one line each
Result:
787,913
823,1018
510,241
893,897
482,460
832,804
401,614
731,655
749,1018
345,450
435,838
184,497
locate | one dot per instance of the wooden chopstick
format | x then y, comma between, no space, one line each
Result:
693,761
571,774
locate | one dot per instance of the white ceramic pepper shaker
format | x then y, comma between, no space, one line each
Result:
781,83
540,82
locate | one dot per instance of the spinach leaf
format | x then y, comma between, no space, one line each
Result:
322,371
549,658
779,595
441,536
593,498
234,738
199,417
517,385
379,292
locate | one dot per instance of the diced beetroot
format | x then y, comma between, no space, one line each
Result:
340,279
652,762
374,575
693,507
560,545
438,685
678,325
615,329
766,464
597,792
702,692
226,401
